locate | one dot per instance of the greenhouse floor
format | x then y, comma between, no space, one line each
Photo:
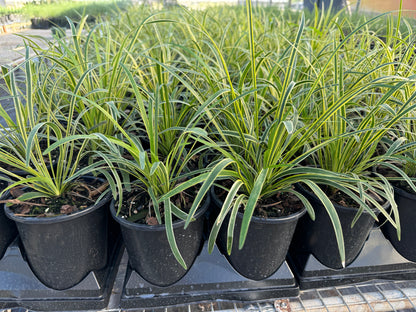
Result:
369,296
12,49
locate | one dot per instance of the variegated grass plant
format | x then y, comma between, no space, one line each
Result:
374,83
260,134
29,132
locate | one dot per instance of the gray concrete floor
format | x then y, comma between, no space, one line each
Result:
12,48
12,52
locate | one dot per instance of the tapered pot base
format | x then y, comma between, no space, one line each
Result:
406,246
19,287
377,260
210,278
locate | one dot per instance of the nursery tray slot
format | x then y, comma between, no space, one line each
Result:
210,278
19,287
377,260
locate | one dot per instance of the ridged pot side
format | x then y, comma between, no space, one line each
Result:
318,237
148,248
406,204
266,245
62,250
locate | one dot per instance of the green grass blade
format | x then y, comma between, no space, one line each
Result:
332,215
215,171
223,213
231,224
171,235
251,205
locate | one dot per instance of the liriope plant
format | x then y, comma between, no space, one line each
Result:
262,141
31,129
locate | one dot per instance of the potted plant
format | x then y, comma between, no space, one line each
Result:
359,133
263,141
401,172
400,169
60,213
154,189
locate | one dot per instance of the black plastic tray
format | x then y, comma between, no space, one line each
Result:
19,287
377,260
211,277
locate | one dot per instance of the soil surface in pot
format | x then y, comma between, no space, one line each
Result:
138,208
342,199
82,195
278,205
388,173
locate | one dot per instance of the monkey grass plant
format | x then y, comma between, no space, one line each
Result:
72,206
86,66
382,79
262,143
89,65
29,134
164,170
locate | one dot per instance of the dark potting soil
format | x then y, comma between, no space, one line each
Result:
81,196
278,205
137,206
342,199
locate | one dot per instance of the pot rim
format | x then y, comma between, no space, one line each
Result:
159,227
60,218
386,205
283,219
404,193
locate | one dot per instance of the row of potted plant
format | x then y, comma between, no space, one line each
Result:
162,118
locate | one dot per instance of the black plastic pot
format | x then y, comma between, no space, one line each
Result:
406,204
149,252
62,250
211,278
318,237
266,245
8,230
377,260
40,23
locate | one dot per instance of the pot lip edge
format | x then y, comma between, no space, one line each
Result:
386,205
159,227
289,217
282,219
59,218
404,193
